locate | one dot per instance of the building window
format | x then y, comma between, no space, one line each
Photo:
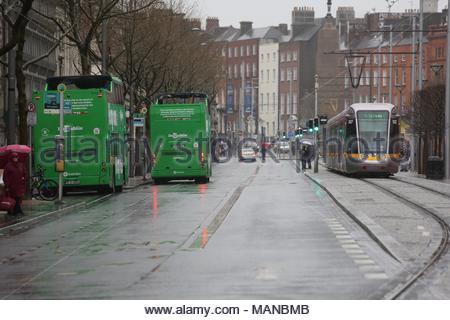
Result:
283,56
262,75
295,56
385,78
375,59
236,71
230,72
294,98
395,58
274,101
282,75
262,57
247,70
346,82
268,75
262,103
289,56
230,52
384,59
268,57
255,74
254,50
403,77
367,78
274,75
274,57
242,51
224,52
375,78
283,102
294,74
403,58
248,51
236,52
268,102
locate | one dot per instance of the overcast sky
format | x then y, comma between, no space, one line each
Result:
272,12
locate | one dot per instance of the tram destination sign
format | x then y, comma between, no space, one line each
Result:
373,115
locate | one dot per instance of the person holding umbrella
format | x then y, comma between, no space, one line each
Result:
15,177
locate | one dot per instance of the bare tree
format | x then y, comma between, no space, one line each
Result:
15,14
84,19
427,122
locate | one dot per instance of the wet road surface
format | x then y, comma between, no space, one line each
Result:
257,231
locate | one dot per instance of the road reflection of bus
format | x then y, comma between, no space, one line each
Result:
363,139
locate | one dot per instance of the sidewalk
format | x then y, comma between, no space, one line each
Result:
37,211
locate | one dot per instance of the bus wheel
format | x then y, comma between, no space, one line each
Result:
119,189
157,181
202,180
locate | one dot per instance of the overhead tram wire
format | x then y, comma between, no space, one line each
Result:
341,74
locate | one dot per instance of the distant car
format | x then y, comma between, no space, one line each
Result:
247,154
283,147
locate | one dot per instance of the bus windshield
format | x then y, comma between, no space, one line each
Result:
80,82
373,131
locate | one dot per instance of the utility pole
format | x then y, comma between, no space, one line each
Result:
316,107
390,64
421,47
12,114
379,73
413,92
447,100
241,102
105,47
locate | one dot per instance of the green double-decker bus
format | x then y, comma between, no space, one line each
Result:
95,148
180,138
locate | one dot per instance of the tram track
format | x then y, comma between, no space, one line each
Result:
439,252
414,272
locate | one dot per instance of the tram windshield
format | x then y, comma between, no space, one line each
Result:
373,131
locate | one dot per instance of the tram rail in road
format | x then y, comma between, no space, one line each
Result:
441,250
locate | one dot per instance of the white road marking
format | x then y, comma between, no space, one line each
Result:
420,227
376,276
364,261
340,236
350,246
426,234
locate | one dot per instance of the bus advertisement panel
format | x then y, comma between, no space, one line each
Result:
94,132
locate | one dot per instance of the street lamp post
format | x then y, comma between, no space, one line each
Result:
316,147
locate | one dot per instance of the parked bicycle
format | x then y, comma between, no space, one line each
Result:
41,188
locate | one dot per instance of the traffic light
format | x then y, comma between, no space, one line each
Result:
316,124
310,125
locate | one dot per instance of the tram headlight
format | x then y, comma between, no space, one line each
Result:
394,110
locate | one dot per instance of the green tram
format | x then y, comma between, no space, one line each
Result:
94,131
180,138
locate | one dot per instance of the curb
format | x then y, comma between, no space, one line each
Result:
23,226
143,183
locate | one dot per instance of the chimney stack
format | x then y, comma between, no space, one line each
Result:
246,26
283,28
212,23
196,23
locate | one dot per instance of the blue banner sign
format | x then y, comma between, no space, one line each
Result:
248,97
230,98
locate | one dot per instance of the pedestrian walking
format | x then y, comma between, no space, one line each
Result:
263,151
15,177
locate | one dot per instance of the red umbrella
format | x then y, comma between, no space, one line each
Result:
6,151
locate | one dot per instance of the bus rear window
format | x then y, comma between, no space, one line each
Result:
81,82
